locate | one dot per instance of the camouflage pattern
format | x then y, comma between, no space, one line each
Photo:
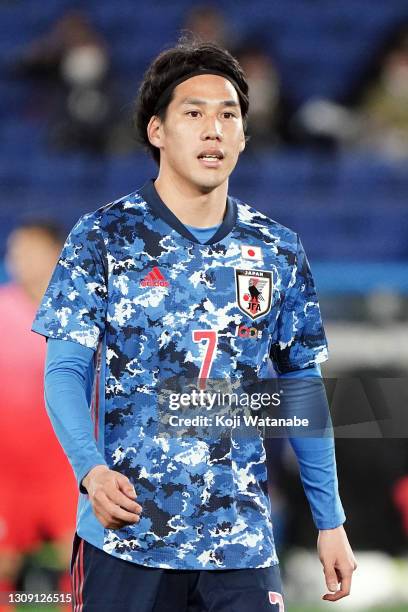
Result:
205,502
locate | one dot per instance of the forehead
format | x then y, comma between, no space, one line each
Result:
209,87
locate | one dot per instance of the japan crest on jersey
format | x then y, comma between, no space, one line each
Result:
254,292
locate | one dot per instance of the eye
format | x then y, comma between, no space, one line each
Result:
193,113
228,115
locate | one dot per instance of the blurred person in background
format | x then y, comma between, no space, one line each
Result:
72,64
207,23
375,118
383,108
38,491
264,92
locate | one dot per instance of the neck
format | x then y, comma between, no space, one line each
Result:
190,205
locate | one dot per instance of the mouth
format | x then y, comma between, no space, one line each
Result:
211,159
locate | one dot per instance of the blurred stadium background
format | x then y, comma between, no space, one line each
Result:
328,156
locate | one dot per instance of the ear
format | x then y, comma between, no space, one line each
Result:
154,131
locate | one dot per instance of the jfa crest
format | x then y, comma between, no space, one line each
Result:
254,292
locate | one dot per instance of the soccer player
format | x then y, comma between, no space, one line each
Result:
160,286
38,491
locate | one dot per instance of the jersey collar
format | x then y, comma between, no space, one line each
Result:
150,195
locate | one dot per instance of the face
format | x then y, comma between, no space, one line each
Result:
395,74
31,257
202,134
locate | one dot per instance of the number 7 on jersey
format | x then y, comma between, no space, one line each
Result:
210,336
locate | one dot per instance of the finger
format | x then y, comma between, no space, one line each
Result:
344,590
103,513
332,581
334,596
109,524
116,495
339,576
126,487
114,512
345,584
106,520
118,513
118,498
103,510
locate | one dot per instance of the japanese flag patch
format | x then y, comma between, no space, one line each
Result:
253,253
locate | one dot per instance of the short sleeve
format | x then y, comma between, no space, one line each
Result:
74,304
299,340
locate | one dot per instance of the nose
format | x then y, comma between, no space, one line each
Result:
212,129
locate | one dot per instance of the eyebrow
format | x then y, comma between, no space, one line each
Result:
200,102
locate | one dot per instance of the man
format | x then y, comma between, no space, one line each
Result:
149,290
38,495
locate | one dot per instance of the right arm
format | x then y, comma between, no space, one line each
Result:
111,494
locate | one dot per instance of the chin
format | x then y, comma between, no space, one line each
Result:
209,183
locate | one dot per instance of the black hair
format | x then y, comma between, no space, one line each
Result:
171,65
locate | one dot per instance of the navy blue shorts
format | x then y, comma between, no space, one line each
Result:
104,583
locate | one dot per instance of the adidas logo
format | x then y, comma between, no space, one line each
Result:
154,279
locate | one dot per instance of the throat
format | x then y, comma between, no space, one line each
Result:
191,206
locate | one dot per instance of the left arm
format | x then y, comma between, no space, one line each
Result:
317,464
298,345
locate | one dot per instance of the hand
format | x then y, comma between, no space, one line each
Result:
112,497
338,562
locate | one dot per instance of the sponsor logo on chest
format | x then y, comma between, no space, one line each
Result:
154,278
243,331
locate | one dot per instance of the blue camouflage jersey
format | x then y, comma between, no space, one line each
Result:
155,305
